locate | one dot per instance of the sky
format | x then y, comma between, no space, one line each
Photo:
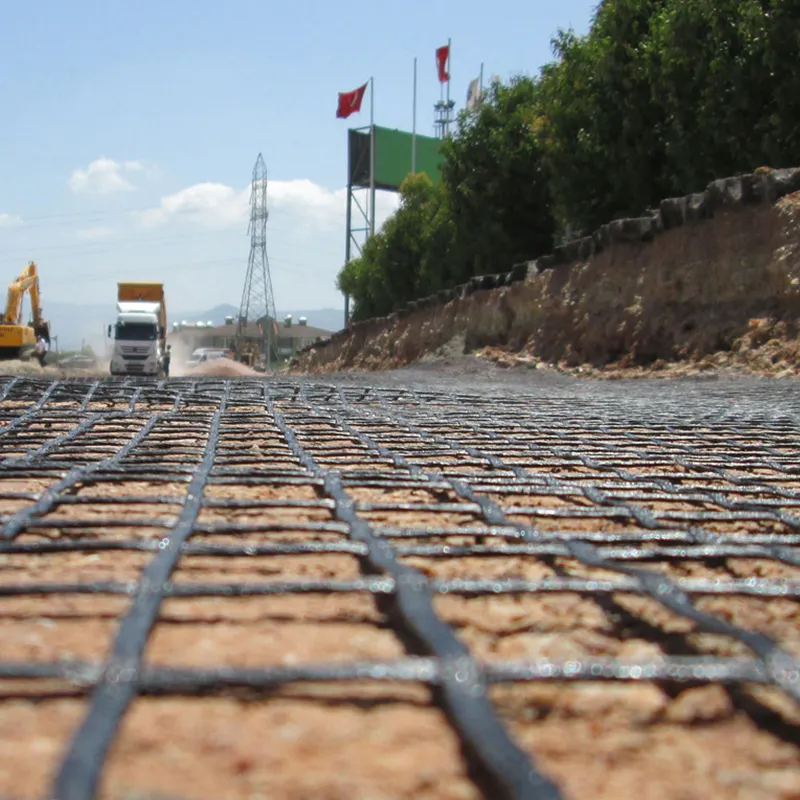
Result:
130,129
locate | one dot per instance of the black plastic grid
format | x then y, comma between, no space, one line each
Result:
468,446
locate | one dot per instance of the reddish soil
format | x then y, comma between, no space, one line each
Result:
220,368
364,741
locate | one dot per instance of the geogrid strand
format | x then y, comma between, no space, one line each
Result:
385,586
22,419
778,663
7,387
462,685
468,446
80,770
691,670
52,495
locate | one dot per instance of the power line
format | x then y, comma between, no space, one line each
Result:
91,247
183,267
99,215
180,268
99,248
25,227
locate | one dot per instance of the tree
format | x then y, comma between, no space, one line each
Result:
659,98
396,264
496,187
663,96
720,70
601,125
491,210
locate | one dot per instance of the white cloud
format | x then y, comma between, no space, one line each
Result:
91,234
306,203
10,221
211,204
104,176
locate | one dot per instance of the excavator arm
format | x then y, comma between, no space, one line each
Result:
36,305
28,281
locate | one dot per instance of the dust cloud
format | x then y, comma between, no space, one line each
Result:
180,352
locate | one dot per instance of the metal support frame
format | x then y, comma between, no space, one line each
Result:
258,302
363,199
443,109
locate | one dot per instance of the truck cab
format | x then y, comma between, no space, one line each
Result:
139,332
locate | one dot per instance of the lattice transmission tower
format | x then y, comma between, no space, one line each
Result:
258,303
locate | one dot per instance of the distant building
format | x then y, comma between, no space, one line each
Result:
294,336
291,336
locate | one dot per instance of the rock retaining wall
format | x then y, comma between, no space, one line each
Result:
684,282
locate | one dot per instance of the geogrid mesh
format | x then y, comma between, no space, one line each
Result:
438,494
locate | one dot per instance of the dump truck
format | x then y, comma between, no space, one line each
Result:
140,331
17,340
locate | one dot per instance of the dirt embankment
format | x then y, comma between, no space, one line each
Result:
709,280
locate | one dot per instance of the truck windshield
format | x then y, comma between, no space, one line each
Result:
136,331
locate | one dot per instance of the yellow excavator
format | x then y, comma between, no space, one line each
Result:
18,340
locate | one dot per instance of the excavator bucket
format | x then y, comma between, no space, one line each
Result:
42,329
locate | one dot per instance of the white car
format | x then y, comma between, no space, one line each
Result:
204,354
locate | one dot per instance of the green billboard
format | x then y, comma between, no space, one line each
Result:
393,157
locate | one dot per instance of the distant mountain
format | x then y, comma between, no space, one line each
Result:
72,326
78,325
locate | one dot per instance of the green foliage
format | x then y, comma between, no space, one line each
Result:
601,125
496,185
399,262
663,96
659,98
491,210
721,70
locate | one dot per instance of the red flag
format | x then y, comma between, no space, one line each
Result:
350,102
442,62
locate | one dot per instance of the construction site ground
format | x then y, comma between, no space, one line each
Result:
457,580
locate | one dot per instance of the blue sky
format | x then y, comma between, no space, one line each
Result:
130,129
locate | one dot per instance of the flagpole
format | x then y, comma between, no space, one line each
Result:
480,96
347,245
371,157
449,76
414,125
